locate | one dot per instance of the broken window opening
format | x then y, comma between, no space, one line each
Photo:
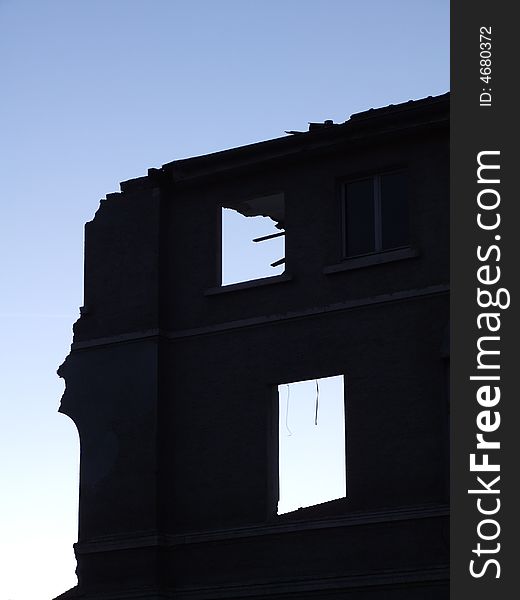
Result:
311,443
253,239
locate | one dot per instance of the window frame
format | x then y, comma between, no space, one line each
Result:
375,177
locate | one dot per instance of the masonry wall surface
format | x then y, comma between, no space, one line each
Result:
172,378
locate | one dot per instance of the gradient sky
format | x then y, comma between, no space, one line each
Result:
95,92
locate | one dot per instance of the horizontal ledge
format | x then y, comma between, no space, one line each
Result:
369,260
139,336
154,538
382,517
244,285
430,576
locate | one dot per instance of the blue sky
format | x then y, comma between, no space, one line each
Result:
97,92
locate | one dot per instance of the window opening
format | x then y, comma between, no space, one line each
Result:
311,442
376,214
253,239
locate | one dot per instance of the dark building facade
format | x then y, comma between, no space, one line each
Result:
172,379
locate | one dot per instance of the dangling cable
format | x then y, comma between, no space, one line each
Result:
287,410
317,401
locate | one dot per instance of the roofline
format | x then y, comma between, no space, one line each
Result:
387,120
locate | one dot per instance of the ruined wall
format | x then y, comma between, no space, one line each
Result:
172,382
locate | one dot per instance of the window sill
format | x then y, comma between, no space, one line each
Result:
369,260
244,285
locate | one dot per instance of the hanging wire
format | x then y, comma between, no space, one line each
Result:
317,402
287,410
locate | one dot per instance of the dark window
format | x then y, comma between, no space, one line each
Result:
376,214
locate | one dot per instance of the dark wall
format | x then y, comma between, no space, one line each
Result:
172,383
222,410
314,233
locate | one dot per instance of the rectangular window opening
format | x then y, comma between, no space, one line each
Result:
376,214
311,443
253,239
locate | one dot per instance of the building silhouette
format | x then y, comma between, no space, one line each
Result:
172,379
